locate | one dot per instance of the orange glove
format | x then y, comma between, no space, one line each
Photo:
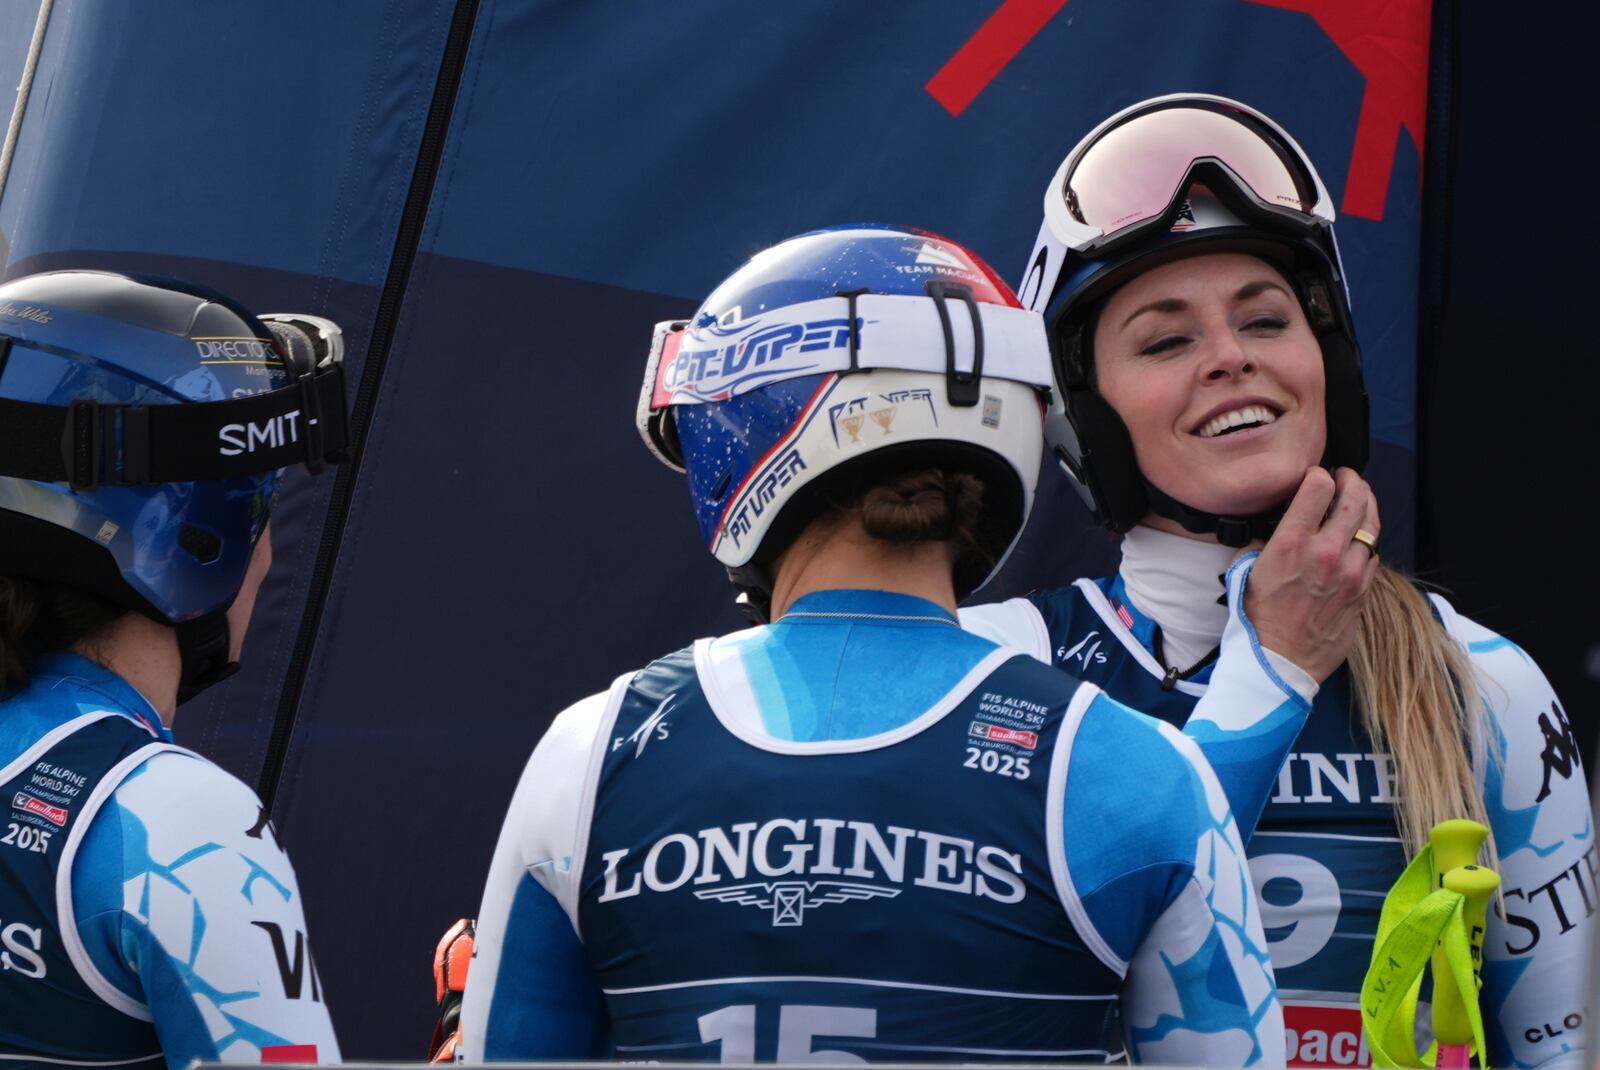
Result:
450,961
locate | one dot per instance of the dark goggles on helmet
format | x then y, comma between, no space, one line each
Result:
88,444
1130,176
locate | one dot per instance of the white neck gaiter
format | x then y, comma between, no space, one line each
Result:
1173,581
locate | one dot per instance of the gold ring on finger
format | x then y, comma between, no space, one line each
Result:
1367,539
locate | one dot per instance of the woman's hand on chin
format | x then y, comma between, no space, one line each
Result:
1306,591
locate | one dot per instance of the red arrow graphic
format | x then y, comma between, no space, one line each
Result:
987,52
1386,41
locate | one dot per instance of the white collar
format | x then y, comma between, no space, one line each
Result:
1173,580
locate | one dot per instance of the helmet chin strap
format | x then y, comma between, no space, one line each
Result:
1233,531
754,585
203,647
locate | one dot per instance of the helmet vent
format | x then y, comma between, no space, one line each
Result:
199,543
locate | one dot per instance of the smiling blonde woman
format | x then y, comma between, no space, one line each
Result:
1211,402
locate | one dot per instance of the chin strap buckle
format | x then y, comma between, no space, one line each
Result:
1234,531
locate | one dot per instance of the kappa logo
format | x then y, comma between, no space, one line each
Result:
1560,752
1083,653
789,900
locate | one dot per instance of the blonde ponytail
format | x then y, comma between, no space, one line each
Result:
1420,701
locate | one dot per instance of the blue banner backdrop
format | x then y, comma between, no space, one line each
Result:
506,545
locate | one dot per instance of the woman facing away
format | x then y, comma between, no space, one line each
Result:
1208,375
858,832
147,911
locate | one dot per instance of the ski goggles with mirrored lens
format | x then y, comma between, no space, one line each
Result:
1130,175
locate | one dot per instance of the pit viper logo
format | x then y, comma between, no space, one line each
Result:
789,900
1560,749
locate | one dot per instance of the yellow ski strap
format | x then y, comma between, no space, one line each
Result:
1414,920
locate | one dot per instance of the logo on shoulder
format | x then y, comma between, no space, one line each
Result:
654,727
1561,751
1086,652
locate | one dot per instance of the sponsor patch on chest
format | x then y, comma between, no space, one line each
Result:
1324,1036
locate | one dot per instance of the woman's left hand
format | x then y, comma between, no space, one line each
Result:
1306,591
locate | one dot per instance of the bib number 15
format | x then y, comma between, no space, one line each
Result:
799,1024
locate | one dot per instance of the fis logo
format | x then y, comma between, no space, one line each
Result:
268,434
789,900
654,727
1087,652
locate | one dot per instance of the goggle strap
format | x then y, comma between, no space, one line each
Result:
888,331
650,419
87,444
1044,268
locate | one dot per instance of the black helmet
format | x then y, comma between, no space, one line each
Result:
1172,177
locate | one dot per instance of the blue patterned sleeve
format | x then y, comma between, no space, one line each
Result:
1251,714
1535,955
190,915
1167,889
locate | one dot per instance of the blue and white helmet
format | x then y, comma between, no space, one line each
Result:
835,357
142,429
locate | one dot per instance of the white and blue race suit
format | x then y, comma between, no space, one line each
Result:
146,910
1327,849
862,834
